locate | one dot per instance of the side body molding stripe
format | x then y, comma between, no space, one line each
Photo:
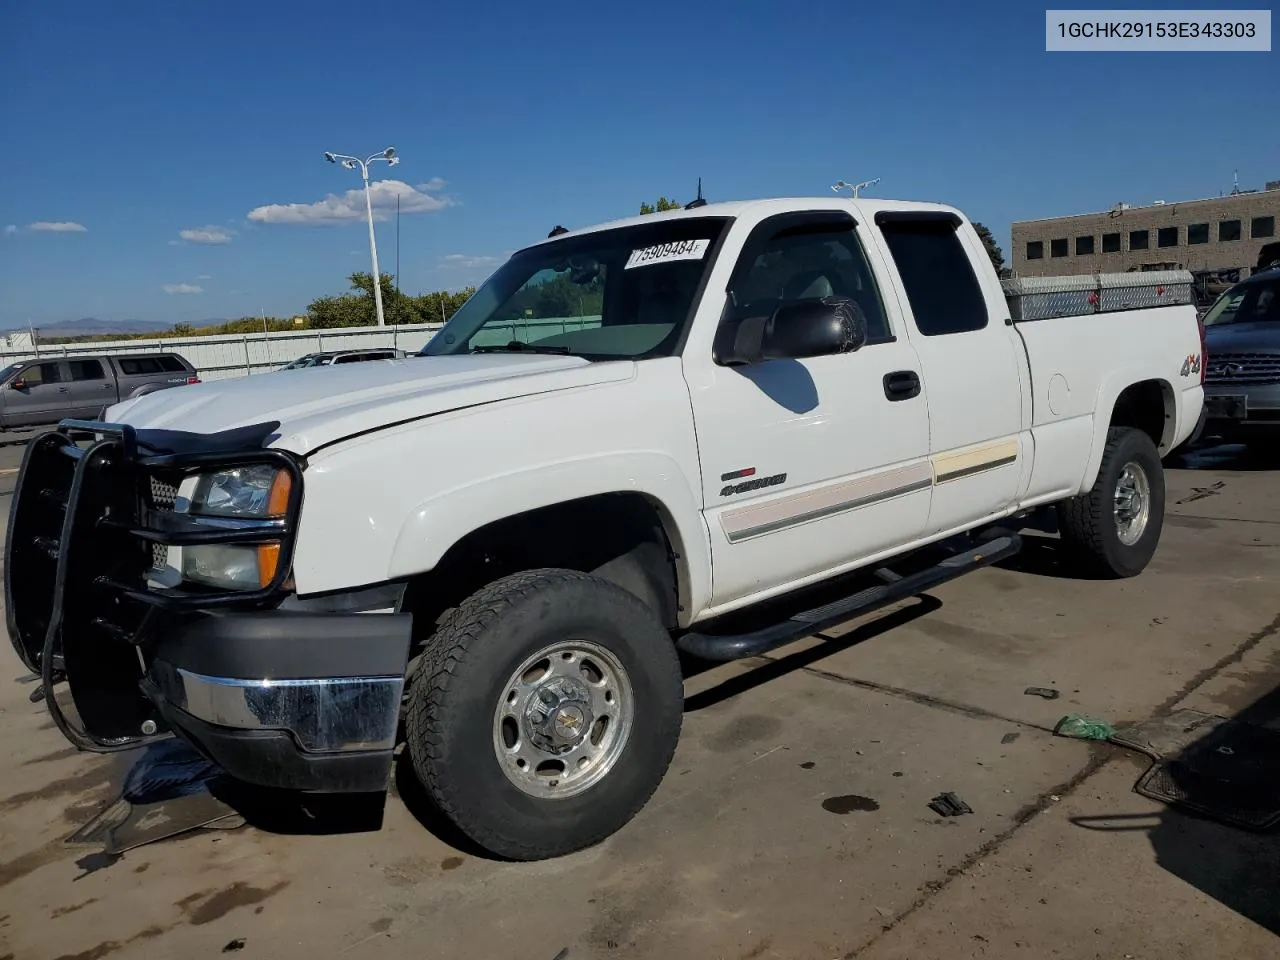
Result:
760,519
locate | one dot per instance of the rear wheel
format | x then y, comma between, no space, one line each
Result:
545,713
1113,529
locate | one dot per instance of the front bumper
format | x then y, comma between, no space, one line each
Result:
294,701
274,692
1241,410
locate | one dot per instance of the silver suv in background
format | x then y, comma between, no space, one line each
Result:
329,358
46,390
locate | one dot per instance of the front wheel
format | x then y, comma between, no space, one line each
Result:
545,713
1112,530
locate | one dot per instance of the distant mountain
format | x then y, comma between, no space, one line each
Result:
92,325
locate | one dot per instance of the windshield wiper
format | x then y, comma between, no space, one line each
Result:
517,346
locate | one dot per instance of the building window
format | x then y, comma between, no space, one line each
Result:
1263,227
1196,233
1228,230
1058,248
1084,246
1139,239
1167,237
1035,249
1111,243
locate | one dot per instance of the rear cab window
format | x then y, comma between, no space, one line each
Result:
87,370
937,274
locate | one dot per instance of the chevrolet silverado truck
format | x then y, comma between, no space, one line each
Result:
501,552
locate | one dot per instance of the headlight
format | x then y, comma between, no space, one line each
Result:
237,497
256,491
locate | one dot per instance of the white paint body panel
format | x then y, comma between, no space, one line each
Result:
404,458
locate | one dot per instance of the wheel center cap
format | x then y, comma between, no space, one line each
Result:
558,714
569,722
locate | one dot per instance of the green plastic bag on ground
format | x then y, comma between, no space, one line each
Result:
1082,727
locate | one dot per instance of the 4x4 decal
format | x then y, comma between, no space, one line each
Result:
1190,365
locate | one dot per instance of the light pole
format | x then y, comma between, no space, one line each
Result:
352,163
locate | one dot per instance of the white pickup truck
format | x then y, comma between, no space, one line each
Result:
628,432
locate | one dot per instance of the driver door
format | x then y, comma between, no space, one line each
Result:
812,465
43,397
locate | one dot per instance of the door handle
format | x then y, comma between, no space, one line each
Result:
902,385
62,389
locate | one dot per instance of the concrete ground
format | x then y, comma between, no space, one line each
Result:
794,821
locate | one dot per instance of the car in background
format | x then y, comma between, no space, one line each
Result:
1242,376
329,358
45,390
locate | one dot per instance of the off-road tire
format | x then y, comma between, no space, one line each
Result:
1090,536
460,681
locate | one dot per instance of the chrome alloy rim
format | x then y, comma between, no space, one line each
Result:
563,719
1132,503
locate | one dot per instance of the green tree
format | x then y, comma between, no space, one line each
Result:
993,248
662,205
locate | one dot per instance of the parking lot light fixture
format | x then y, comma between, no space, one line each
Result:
351,163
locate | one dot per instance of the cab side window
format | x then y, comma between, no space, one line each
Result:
41,373
807,262
937,275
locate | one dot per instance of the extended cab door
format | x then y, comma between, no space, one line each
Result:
38,394
92,387
970,359
808,465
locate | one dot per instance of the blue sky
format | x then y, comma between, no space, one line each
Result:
141,120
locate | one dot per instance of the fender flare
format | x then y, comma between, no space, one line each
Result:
1108,393
436,524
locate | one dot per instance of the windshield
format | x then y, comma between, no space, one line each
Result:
1247,303
9,371
625,293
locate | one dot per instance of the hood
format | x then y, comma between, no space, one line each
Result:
317,406
1259,336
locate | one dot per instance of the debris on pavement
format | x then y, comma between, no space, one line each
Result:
949,805
236,944
1047,692
1010,737
1081,727
1199,493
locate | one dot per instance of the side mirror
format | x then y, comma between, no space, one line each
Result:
806,328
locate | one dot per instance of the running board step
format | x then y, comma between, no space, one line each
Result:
736,646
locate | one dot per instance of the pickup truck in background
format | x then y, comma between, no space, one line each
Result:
629,432
40,391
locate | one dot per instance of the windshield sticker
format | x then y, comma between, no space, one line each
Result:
668,253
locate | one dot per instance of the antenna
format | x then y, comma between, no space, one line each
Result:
1235,183
699,201
854,188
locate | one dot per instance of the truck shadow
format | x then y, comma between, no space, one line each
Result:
1235,867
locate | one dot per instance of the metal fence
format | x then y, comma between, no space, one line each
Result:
243,354
240,354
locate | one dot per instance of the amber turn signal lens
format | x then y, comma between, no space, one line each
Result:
278,498
268,561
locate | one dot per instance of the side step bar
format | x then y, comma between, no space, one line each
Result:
895,588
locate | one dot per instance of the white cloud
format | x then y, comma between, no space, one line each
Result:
208,234
204,276
59,226
465,262
182,288
349,206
